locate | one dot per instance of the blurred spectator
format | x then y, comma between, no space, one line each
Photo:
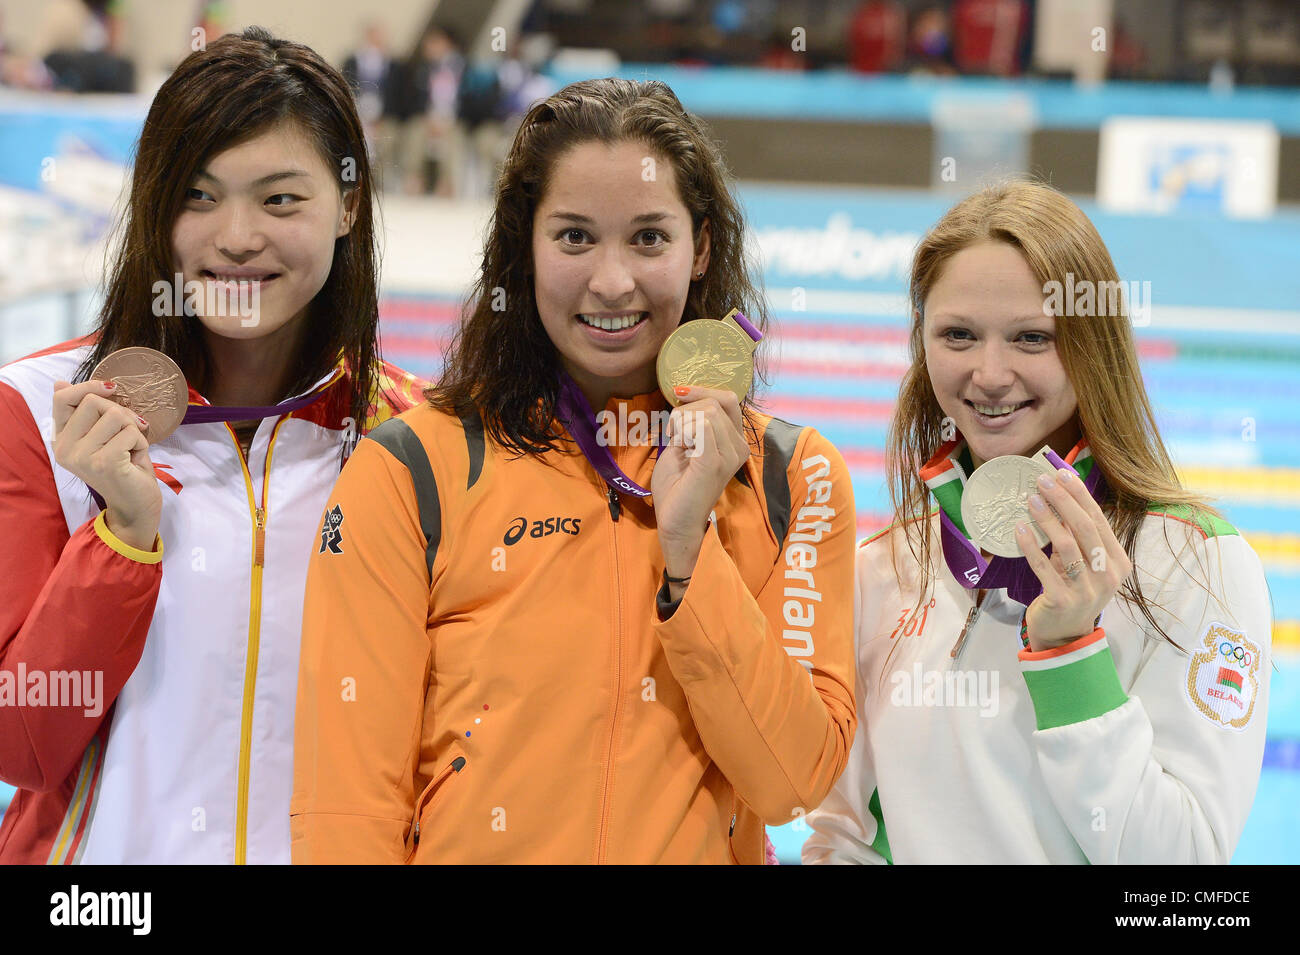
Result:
80,39
213,19
366,70
420,143
1128,57
480,109
929,47
877,37
523,79
446,142
401,127
494,96
990,36
729,16
18,70
780,54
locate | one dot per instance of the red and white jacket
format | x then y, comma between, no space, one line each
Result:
147,698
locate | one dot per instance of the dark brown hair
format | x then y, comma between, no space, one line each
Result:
501,361
240,86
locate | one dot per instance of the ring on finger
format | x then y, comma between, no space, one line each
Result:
1074,567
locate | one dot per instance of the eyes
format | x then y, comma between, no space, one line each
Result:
1033,341
575,238
194,194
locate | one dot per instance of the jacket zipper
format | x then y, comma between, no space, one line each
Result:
615,509
430,792
260,516
731,831
970,622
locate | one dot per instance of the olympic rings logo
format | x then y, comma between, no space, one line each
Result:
1231,651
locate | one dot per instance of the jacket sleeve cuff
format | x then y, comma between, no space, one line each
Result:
1074,682
126,550
663,603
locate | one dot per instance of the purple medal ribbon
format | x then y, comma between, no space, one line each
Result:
972,571
575,411
206,414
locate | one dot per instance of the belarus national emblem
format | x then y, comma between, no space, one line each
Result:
1221,676
331,533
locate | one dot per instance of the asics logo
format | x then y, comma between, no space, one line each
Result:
544,528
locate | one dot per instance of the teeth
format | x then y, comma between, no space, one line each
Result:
994,410
611,324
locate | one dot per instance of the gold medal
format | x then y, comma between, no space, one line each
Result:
707,354
150,384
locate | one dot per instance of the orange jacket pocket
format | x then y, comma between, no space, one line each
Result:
427,799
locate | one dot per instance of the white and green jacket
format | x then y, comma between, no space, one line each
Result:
1116,748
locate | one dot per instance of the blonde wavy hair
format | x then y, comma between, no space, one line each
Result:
1097,351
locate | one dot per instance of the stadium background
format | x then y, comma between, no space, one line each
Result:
841,171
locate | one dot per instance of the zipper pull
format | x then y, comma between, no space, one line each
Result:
732,831
259,551
970,621
615,508
457,765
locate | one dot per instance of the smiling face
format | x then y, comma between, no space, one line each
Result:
264,213
613,259
991,354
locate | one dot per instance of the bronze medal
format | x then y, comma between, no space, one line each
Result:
150,384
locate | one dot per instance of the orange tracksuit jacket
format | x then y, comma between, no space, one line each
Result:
487,675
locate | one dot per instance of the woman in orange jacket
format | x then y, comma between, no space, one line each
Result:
516,649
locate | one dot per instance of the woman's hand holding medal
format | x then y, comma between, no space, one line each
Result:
706,447
705,368
104,444
1086,568
100,436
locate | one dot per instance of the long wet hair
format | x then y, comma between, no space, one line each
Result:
1097,352
501,361
237,88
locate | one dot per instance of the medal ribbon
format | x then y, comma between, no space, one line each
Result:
207,414
574,410
972,571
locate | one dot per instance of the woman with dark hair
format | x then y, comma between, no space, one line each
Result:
1105,703
512,654
248,258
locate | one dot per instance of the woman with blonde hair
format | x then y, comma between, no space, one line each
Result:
1105,703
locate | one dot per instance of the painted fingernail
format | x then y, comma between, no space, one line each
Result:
1045,481
110,385
143,423
1067,474
1022,529
680,390
1035,502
